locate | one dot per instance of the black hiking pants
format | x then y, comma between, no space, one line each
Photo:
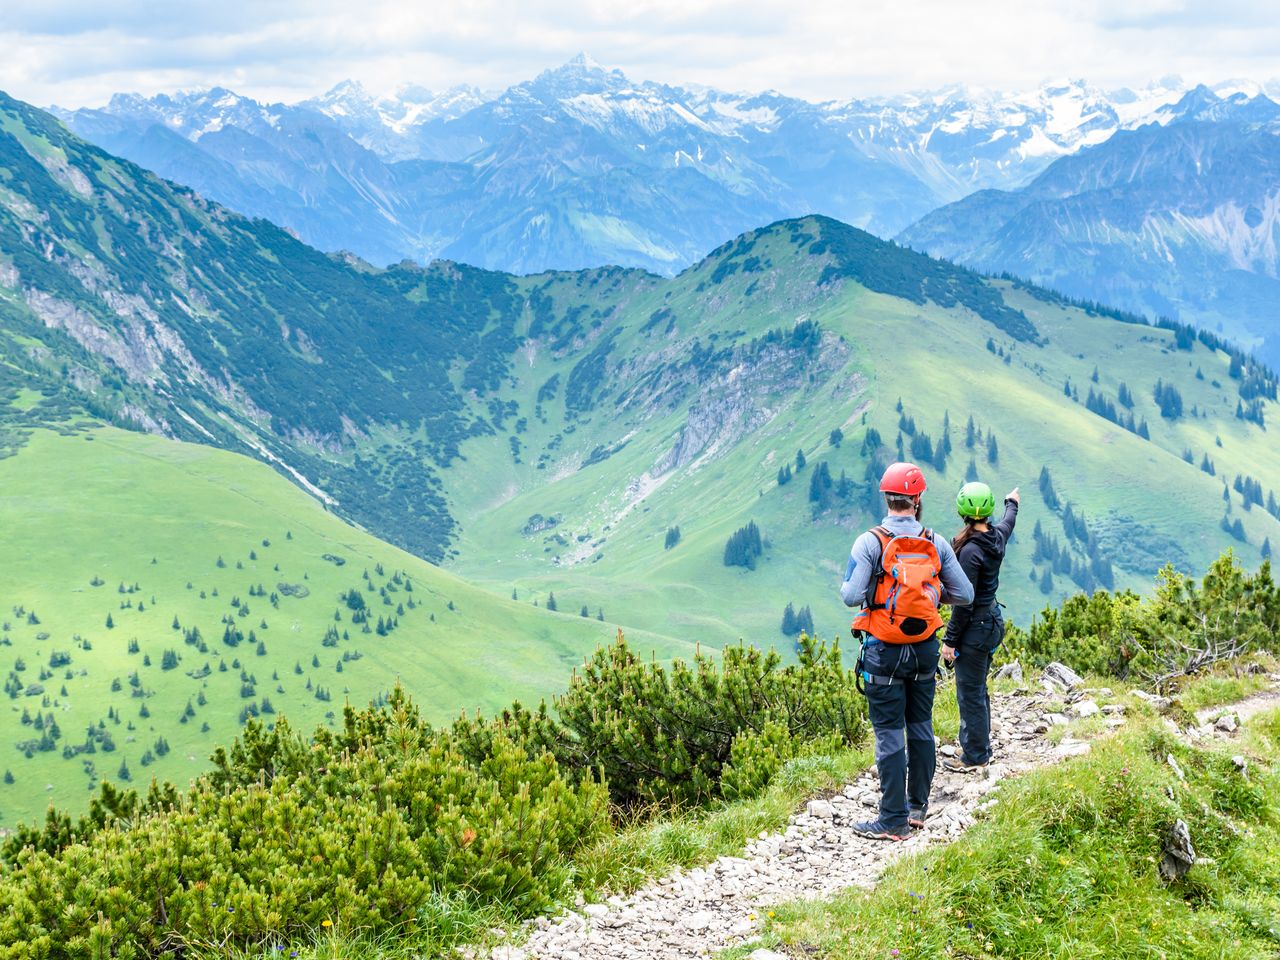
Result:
900,684
972,667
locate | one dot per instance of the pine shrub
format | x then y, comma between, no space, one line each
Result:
364,825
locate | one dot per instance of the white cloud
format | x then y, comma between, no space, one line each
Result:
75,52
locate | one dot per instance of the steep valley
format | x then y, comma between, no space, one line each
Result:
599,435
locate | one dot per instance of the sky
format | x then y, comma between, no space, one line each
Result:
78,52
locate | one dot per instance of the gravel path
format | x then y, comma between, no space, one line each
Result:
1244,709
691,913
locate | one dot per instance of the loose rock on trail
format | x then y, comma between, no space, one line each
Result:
694,912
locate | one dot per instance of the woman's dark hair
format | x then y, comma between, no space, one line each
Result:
961,538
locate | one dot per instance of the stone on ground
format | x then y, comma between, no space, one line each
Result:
1062,677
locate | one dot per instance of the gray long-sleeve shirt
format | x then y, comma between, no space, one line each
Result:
865,555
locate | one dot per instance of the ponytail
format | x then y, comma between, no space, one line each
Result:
961,538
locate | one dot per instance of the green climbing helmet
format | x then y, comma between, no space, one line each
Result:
975,501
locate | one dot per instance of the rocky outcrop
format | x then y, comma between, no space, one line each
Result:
742,398
129,350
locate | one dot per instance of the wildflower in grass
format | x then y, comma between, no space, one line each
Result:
326,923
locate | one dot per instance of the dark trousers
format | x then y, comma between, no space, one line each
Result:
973,664
902,718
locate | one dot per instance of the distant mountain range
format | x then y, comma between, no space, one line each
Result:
1096,193
582,166
1180,217
599,436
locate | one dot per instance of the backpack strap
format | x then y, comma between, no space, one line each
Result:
884,536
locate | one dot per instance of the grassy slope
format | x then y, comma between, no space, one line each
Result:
1065,865
935,359
105,502
846,926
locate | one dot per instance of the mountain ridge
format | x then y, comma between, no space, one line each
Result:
1175,220
600,436
483,178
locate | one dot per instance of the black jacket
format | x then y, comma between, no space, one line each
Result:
980,557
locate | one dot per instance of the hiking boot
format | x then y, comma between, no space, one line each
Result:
915,818
875,830
961,765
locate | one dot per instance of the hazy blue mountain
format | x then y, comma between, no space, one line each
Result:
575,168
1180,217
582,166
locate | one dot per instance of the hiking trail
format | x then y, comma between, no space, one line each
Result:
692,913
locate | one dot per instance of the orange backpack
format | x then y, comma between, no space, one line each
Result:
907,592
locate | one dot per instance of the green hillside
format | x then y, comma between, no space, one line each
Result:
104,524
544,433
712,365
536,434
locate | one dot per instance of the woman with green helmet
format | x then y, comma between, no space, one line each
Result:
975,631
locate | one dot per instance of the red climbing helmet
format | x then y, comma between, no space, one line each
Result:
904,479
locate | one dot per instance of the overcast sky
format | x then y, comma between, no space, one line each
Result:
79,52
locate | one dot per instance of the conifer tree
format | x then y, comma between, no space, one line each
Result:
789,621
1047,492
993,450
551,602
743,547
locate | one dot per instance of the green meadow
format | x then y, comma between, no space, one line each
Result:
164,539
1141,498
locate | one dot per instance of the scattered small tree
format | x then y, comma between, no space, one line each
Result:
743,547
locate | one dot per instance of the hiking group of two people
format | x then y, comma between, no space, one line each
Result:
900,573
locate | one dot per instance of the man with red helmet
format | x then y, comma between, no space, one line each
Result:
898,667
